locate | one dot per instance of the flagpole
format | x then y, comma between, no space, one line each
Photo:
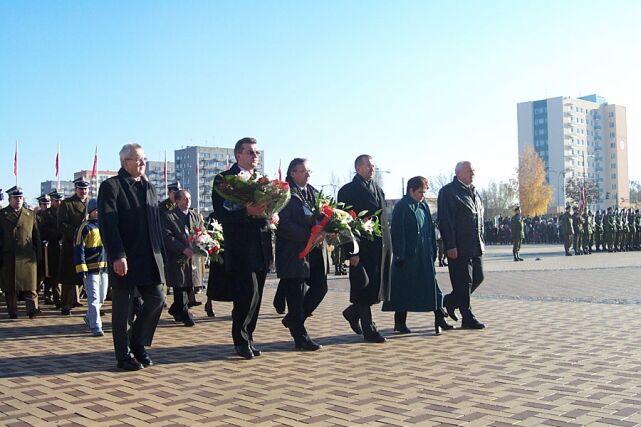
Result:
15,163
197,181
58,167
165,173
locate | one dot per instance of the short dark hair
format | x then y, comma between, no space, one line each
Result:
238,148
181,193
416,182
360,159
293,165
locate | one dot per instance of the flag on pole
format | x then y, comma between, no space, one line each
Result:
280,171
583,201
15,163
58,162
94,170
164,175
228,165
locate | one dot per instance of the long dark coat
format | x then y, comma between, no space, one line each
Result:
49,232
292,234
248,241
375,256
414,285
460,219
71,214
181,272
130,228
19,248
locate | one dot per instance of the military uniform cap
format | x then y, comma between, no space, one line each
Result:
44,199
15,191
80,183
55,195
567,207
174,187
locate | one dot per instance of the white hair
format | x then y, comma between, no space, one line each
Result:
127,151
460,165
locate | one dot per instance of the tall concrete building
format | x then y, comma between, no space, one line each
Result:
196,168
579,138
66,188
155,171
94,184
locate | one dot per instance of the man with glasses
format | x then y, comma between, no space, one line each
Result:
132,237
248,249
71,214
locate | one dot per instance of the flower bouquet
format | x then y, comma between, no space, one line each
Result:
338,226
207,243
243,189
215,230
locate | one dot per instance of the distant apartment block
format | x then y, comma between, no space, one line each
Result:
94,184
196,168
155,171
66,187
582,138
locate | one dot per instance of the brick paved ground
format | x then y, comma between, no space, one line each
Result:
562,348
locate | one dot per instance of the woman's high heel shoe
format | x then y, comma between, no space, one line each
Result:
209,309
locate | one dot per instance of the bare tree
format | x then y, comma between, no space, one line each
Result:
499,198
437,182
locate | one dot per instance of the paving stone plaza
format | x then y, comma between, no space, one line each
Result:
562,347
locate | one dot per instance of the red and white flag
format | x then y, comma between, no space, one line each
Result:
94,170
583,201
15,162
58,162
164,175
280,171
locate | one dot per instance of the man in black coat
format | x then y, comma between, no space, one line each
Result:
183,269
248,249
294,230
131,234
460,216
369,266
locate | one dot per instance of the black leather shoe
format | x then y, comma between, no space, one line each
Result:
256,352
144,359
306,344
129,365
188,321
521,259
194,304
244,351
441,325
209,309
285,322
351,315
402,329
472,324
65,312
371,334
450,309
13,316
280,305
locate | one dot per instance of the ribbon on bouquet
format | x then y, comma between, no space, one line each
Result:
318,234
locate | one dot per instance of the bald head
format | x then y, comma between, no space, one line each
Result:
464,172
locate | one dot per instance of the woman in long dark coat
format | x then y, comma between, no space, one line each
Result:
414,286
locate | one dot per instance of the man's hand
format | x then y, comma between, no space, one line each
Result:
256,210
274,219
120,266
354,260
452,253
188,252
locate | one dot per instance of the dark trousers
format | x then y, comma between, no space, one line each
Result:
11,296
295,318
69,296
180,305
466,274
248,295
129,334
317,283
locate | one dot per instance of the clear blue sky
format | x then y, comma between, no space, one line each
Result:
417,84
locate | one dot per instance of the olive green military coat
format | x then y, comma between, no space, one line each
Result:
20,248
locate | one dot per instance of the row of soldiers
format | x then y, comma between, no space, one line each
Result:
613,230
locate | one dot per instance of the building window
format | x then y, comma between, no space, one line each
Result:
611,114
611,124
613,176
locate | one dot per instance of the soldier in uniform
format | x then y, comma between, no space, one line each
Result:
632,230
44,202
598,231
577,225
588,230
617,230
608,229
516,226
49,233
568,230
71,214
623,221
637,223
170,202
20,251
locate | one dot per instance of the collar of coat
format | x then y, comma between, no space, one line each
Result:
458,182
122,173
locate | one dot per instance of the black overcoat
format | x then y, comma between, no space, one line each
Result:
181,272
293,232
460,219
375,256
49,232
248,240
71,213
131,229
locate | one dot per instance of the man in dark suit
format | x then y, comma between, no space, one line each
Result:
294,230
183,271
460,215
71,214
248,249
369,266
132,236
49,232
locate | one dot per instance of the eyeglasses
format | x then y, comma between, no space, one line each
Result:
253,153
307,171
140,161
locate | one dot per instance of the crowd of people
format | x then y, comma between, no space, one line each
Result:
128,246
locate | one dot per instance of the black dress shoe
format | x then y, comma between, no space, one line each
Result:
521,259
256,352
351,315
144,359
13,316
188,321
65,312
129,365
451,310
280,305
371,334
441,325
33,314
194,304
305,343
472,324
209,309
244,351
402,329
